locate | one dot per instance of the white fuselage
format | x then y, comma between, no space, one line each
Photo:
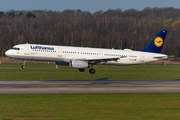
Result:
66,54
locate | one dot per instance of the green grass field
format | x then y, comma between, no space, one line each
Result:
90,107
34,71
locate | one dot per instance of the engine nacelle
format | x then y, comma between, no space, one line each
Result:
78,64
61,63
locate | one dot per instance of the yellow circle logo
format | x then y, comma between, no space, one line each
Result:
158,42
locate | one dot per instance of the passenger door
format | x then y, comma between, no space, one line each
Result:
26,50
142,58
59,52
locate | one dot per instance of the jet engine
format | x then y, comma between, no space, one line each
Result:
61,63
78,64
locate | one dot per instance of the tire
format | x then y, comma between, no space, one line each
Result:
92,71
81,70
23,67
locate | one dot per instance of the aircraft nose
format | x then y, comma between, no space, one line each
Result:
7,53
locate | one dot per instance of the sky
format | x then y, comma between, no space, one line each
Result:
84,5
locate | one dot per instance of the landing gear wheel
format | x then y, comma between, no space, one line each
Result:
24,63
81,70
23,67
92,71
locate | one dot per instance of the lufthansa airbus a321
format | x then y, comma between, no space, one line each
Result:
81,57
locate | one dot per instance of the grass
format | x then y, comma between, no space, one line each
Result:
90,106
37,71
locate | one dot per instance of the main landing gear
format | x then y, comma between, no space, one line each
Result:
82,70
91,71
24,63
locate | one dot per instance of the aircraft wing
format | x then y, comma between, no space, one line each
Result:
100,59
95,60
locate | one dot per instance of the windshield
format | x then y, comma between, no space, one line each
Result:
14,48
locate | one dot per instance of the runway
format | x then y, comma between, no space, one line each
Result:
88,86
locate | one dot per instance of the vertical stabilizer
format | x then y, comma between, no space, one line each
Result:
156,43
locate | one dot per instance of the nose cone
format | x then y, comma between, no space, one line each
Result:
8,53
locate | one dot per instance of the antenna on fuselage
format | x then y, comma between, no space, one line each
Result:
27,43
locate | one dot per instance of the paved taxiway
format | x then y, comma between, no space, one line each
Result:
88,86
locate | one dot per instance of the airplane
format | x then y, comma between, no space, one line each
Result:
82,57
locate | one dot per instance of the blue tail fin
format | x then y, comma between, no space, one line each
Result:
156,43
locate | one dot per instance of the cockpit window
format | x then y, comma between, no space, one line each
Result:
14,48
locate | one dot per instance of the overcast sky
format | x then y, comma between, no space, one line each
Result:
84,5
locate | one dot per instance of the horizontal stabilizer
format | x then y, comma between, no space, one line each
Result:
160,56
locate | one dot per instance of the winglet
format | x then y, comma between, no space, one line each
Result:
156,43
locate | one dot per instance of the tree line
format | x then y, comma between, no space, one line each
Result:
116,29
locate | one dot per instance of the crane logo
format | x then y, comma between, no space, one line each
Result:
158,41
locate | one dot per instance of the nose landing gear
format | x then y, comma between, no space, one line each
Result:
24,63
